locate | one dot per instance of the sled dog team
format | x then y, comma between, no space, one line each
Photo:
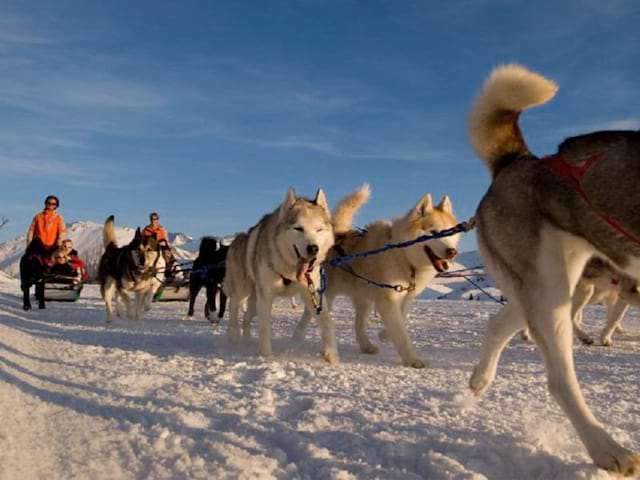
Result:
539,224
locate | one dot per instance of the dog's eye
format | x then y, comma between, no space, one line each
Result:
318,230
298,229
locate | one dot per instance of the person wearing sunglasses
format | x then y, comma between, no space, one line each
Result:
48,225
61,268
155,229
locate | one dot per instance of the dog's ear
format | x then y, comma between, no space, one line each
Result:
445,205
138,234
321,199
424,206
289,199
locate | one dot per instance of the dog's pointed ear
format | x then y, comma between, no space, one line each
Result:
289,199
424,205
138,234
445,205
321,199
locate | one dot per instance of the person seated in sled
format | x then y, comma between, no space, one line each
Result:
154,229
76,262
60,268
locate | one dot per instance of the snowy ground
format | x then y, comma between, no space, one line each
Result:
170,398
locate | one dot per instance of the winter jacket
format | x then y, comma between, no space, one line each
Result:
160,232
48,226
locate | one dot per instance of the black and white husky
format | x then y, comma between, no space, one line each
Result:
539,223
129,269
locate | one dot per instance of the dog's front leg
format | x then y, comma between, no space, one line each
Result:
249,313
329,344
264,301
303,325
391,313
502,327
581,297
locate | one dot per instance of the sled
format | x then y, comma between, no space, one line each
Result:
59,288
176,287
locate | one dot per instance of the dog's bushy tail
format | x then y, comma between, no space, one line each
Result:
108,234
493,123
347,207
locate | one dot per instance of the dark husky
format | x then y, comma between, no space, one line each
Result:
208,271
132,268
538,225
32,270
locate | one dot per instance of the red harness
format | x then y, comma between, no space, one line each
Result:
574,174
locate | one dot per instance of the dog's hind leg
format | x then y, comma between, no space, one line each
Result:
502,327
223,306
547,303
233,332
249,314
108,290
363,309
581,296
615,313
394,324
194,289
210,304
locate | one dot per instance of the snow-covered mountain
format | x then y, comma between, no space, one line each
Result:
87,240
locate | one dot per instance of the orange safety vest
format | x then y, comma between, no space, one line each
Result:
48,226
159,232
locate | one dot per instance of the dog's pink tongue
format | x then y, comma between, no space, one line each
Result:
301,268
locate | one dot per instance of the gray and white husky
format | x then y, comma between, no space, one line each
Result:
280,256
539,223
409,269
129,269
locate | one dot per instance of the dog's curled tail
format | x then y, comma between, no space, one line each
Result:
493,123
108,233
347,208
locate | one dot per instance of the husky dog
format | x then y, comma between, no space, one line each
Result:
131,268
208,271
281,256
539,223
408,269
601,282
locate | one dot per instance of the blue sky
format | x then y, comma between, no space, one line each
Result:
207,111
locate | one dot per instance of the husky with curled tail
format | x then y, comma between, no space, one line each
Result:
411,268
280,256
539,223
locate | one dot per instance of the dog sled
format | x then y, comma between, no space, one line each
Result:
175,286
61,288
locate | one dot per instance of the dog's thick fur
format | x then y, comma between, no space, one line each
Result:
536,233
129,269
412,267
277,257
208,271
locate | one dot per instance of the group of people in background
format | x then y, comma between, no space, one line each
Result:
46,239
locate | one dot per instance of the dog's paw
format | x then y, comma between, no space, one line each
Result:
478,383
369,348
416,363
331,356
606,341
618,459
619,329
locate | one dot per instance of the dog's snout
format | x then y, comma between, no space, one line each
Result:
451,253
312,249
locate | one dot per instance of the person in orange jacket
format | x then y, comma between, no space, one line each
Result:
154,228
48,225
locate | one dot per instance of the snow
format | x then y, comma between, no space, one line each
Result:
169,397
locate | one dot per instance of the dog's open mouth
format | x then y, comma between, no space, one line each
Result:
440,264
304,265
